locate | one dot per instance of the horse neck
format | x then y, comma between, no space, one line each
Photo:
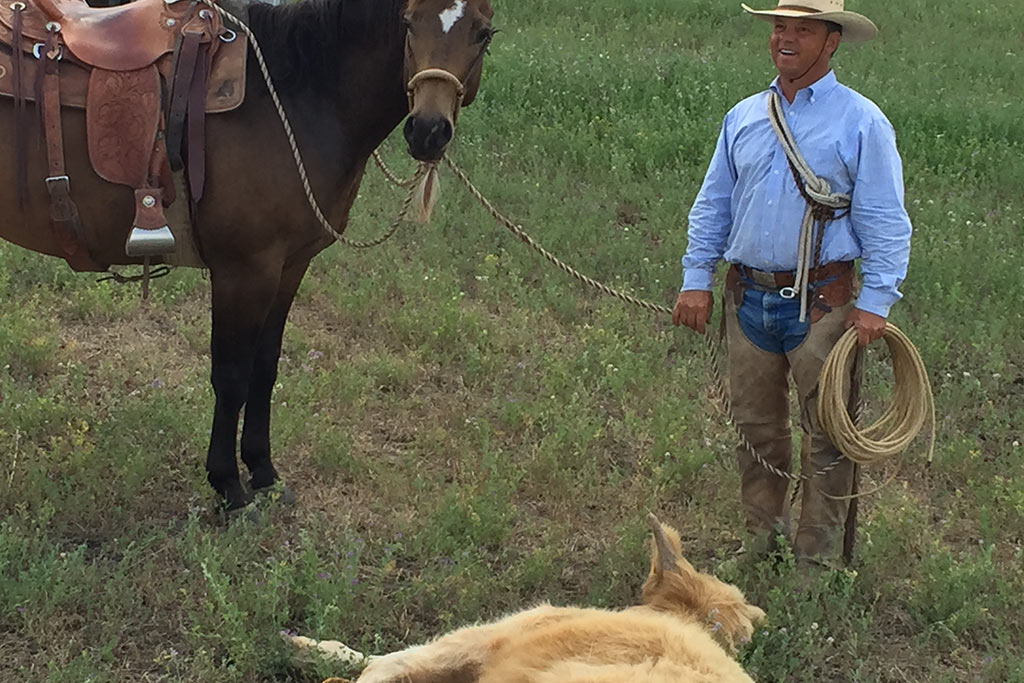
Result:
352,85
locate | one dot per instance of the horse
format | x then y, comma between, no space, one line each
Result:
347,73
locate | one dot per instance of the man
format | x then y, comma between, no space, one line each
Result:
791,223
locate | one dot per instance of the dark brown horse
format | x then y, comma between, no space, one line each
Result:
341,68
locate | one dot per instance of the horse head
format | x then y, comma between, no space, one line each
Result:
445,43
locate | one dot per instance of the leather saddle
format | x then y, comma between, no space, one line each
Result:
146,74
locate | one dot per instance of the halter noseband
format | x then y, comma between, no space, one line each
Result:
434,74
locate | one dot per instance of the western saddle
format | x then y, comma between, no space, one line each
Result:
146,74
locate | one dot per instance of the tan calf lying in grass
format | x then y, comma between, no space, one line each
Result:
675,636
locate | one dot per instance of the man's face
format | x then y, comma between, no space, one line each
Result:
798,44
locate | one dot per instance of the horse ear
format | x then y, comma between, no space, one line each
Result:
666,555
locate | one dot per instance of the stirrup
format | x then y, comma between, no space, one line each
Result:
143,242
150,235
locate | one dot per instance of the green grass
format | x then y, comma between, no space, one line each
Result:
470,432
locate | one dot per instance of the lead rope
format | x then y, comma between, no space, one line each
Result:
712,343
821,204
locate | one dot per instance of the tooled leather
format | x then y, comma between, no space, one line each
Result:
122,113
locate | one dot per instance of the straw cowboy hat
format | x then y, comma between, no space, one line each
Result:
856,27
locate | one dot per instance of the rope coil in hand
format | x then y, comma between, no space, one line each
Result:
911,408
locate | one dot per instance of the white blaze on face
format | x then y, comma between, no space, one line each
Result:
450,16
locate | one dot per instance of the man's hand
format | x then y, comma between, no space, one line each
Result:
693,309
870,327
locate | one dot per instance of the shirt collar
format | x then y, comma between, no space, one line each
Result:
817,89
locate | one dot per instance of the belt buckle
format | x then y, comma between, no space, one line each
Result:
58,183
788,293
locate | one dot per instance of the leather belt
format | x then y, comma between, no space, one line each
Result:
783,280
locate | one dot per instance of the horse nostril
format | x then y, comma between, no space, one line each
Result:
428,137
440,135
445,134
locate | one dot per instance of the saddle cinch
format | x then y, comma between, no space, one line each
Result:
146,74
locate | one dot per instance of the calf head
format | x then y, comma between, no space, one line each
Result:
674,586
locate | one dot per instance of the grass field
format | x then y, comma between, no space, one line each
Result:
470,432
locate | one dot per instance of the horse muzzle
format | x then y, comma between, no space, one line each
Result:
435,97
428,136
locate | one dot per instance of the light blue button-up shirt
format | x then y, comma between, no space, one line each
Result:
749,209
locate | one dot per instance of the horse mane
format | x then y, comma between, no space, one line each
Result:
306,43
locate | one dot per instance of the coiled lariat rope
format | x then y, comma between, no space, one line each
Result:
912,406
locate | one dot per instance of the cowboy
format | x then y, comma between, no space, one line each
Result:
805,179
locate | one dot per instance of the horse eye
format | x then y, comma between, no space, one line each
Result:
485,35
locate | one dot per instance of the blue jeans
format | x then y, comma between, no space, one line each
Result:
772,322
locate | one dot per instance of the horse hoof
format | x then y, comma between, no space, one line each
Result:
276,493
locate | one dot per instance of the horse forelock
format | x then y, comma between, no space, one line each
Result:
306,42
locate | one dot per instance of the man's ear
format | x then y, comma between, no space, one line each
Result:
832,42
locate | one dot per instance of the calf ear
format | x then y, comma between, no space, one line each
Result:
666,554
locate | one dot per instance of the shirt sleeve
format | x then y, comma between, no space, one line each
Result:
710,218
879,218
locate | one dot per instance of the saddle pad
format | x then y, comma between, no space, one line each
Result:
225,90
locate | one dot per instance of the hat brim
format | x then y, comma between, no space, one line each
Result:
856,27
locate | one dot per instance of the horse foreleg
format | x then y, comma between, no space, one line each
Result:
256,427
243,295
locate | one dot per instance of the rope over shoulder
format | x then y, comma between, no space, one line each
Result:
821,201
